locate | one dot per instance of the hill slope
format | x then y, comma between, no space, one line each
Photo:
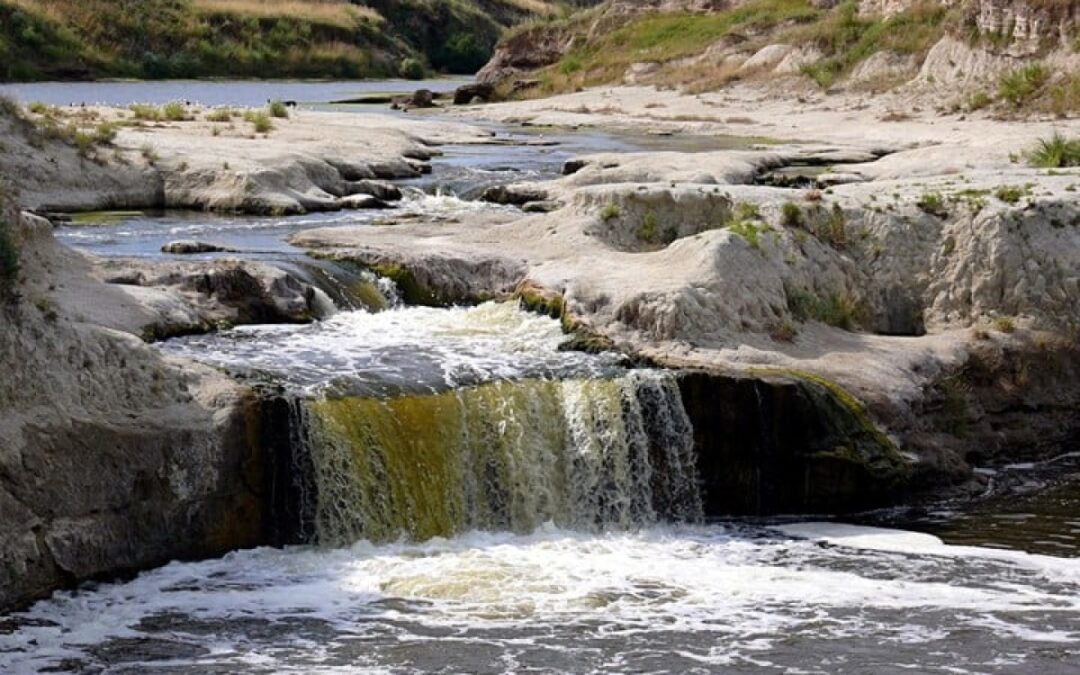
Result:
82,39
1021,53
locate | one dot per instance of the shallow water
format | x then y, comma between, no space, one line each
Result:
214,92
710,598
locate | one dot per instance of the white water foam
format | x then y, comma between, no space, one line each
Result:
419,347
675,598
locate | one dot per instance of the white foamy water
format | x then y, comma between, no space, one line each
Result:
411,348
675,599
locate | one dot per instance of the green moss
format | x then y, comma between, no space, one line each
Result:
413,292
879,457
537,300
98,218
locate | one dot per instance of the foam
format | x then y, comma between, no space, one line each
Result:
711,595
420,347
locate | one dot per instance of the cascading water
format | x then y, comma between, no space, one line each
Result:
504,455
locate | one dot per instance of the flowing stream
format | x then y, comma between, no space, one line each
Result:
472,499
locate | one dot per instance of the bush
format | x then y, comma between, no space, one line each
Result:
260,121
175,112
278,109
839,310
145,112
412,69
647,231
932,203
791,215
1005,324
219,115
1055,152
609,212
1017,86
1010,194
462,54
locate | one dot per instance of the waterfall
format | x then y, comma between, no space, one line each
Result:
507,455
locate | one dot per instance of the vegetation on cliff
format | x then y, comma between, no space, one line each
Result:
702,51
79,39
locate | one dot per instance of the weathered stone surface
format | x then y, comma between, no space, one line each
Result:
112,458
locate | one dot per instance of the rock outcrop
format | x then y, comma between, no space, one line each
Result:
112,457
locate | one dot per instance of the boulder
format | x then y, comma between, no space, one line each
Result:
466,94
516,195
422,98
188,247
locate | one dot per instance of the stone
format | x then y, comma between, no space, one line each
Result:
469,93
188,247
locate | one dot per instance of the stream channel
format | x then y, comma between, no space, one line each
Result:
483,502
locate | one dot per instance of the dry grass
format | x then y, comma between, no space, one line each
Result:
338,13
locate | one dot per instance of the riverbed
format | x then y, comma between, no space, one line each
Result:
517,563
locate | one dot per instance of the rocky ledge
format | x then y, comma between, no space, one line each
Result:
914,273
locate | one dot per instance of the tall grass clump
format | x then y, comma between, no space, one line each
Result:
278,109
259,120
1020,85
1055,152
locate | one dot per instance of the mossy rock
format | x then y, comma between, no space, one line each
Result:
781,441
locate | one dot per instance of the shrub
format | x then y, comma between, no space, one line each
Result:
932,203
1017,86
748,231
832,227
104,133
1005,324
647,231
609,212
278,109
145,112
1010,194
839,310
38,108
412,69
259,120
791,215
979,100
462,53
219,115
1055,152
174,112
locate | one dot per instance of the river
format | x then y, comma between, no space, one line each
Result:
477,500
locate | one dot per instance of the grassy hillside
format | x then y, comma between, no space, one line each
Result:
841,39
79,39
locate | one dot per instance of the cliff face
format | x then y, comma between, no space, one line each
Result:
964,46
1018,27
112,458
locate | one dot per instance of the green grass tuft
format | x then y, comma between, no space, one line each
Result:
1055,152
1020,85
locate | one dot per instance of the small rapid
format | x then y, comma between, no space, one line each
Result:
664,598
